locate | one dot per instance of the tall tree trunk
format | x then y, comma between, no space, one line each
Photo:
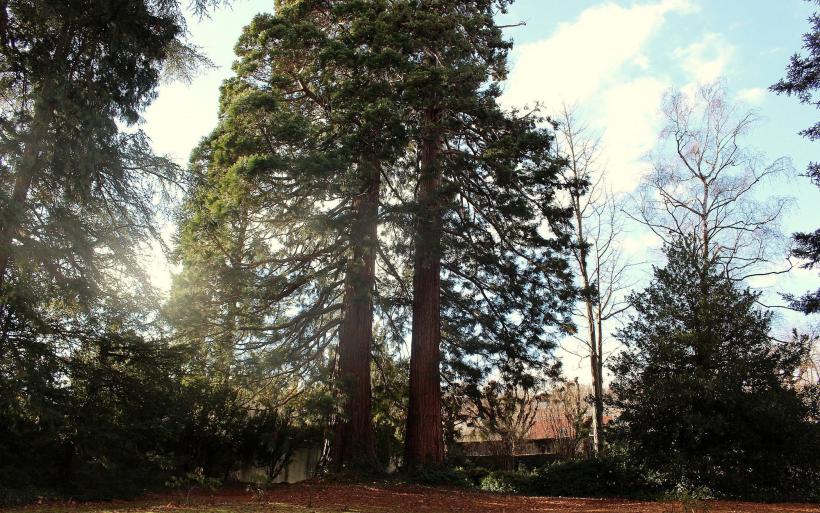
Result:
597,418
424,443
598,389
593,315
353,438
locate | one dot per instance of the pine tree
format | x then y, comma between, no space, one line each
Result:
706,397
77,203
802,79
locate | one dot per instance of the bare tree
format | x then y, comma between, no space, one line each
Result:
704,181
505,412
597,252
808,373
567,416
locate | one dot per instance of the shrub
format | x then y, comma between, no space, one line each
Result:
599,477
476,474
691,498
439,476
504,481
196,480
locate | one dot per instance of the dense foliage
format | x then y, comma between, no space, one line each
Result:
372,251
76,199
94,400
706,397
595,477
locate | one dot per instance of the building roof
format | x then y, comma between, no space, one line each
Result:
547,426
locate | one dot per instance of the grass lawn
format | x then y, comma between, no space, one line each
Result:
381,498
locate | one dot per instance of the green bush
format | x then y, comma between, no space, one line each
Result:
192,481
599,477
476,474
436,476
504,481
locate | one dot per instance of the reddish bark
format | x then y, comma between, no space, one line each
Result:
353,438
424,445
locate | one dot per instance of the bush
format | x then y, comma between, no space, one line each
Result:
435,476
603,477
196,480
476,474
599,477
504,481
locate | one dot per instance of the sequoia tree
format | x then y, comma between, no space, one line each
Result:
483,275
306,129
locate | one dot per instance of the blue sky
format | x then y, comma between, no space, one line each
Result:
614,60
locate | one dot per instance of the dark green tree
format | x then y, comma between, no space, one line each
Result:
802,80
485,280
706,396
307,128
79,352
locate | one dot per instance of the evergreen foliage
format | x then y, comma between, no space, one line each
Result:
802,80
93,400
706,397
272,231
76,201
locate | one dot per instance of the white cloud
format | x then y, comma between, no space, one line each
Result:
641,61
632,117
583,56
601,62
706,60
752,95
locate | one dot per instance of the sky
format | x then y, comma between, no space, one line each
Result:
612,60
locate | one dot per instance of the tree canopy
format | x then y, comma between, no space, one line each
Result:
706,397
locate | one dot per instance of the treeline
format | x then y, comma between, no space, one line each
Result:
363,193
94,397
363,187
362,181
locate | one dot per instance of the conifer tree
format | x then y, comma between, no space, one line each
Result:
706,397
802,80
331,99
483,183
77,204
308,126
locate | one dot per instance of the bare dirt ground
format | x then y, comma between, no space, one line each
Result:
381,498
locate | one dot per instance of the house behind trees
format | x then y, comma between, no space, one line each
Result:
560,430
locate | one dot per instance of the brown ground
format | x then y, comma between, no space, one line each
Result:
380,498
418,499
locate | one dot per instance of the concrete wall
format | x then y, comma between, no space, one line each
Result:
301,466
